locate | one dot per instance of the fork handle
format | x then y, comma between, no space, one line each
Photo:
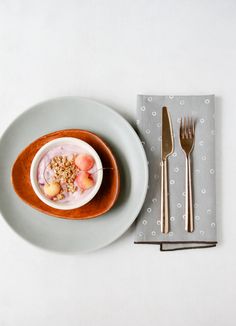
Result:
189,223
164,197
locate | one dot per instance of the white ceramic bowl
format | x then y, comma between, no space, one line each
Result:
47,147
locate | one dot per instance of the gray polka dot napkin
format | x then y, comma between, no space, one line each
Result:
148,229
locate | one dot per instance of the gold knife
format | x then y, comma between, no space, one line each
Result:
166,150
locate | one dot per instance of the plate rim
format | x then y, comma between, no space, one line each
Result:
146,171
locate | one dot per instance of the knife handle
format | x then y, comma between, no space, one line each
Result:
164,198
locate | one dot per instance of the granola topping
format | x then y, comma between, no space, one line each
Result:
66,173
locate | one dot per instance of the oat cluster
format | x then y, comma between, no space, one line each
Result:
65,172
58,196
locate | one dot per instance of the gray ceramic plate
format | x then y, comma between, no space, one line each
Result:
69,235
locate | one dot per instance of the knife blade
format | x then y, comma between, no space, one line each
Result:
167,149
167,134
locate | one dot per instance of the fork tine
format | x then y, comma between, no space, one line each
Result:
185,128
193,127
181,128
187,138
190,127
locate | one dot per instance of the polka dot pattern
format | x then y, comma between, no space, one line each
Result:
149,125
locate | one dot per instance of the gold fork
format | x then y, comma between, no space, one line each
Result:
187,135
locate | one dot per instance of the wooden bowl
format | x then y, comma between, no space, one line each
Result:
100,204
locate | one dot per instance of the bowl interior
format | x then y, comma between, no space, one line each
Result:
49,146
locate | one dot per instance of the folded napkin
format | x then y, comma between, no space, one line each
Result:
148,229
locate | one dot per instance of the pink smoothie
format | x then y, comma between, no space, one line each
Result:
45,171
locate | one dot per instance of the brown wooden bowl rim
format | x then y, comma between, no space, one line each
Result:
64,211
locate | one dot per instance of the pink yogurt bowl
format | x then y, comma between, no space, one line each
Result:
67,146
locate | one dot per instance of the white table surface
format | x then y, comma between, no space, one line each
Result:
110,51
